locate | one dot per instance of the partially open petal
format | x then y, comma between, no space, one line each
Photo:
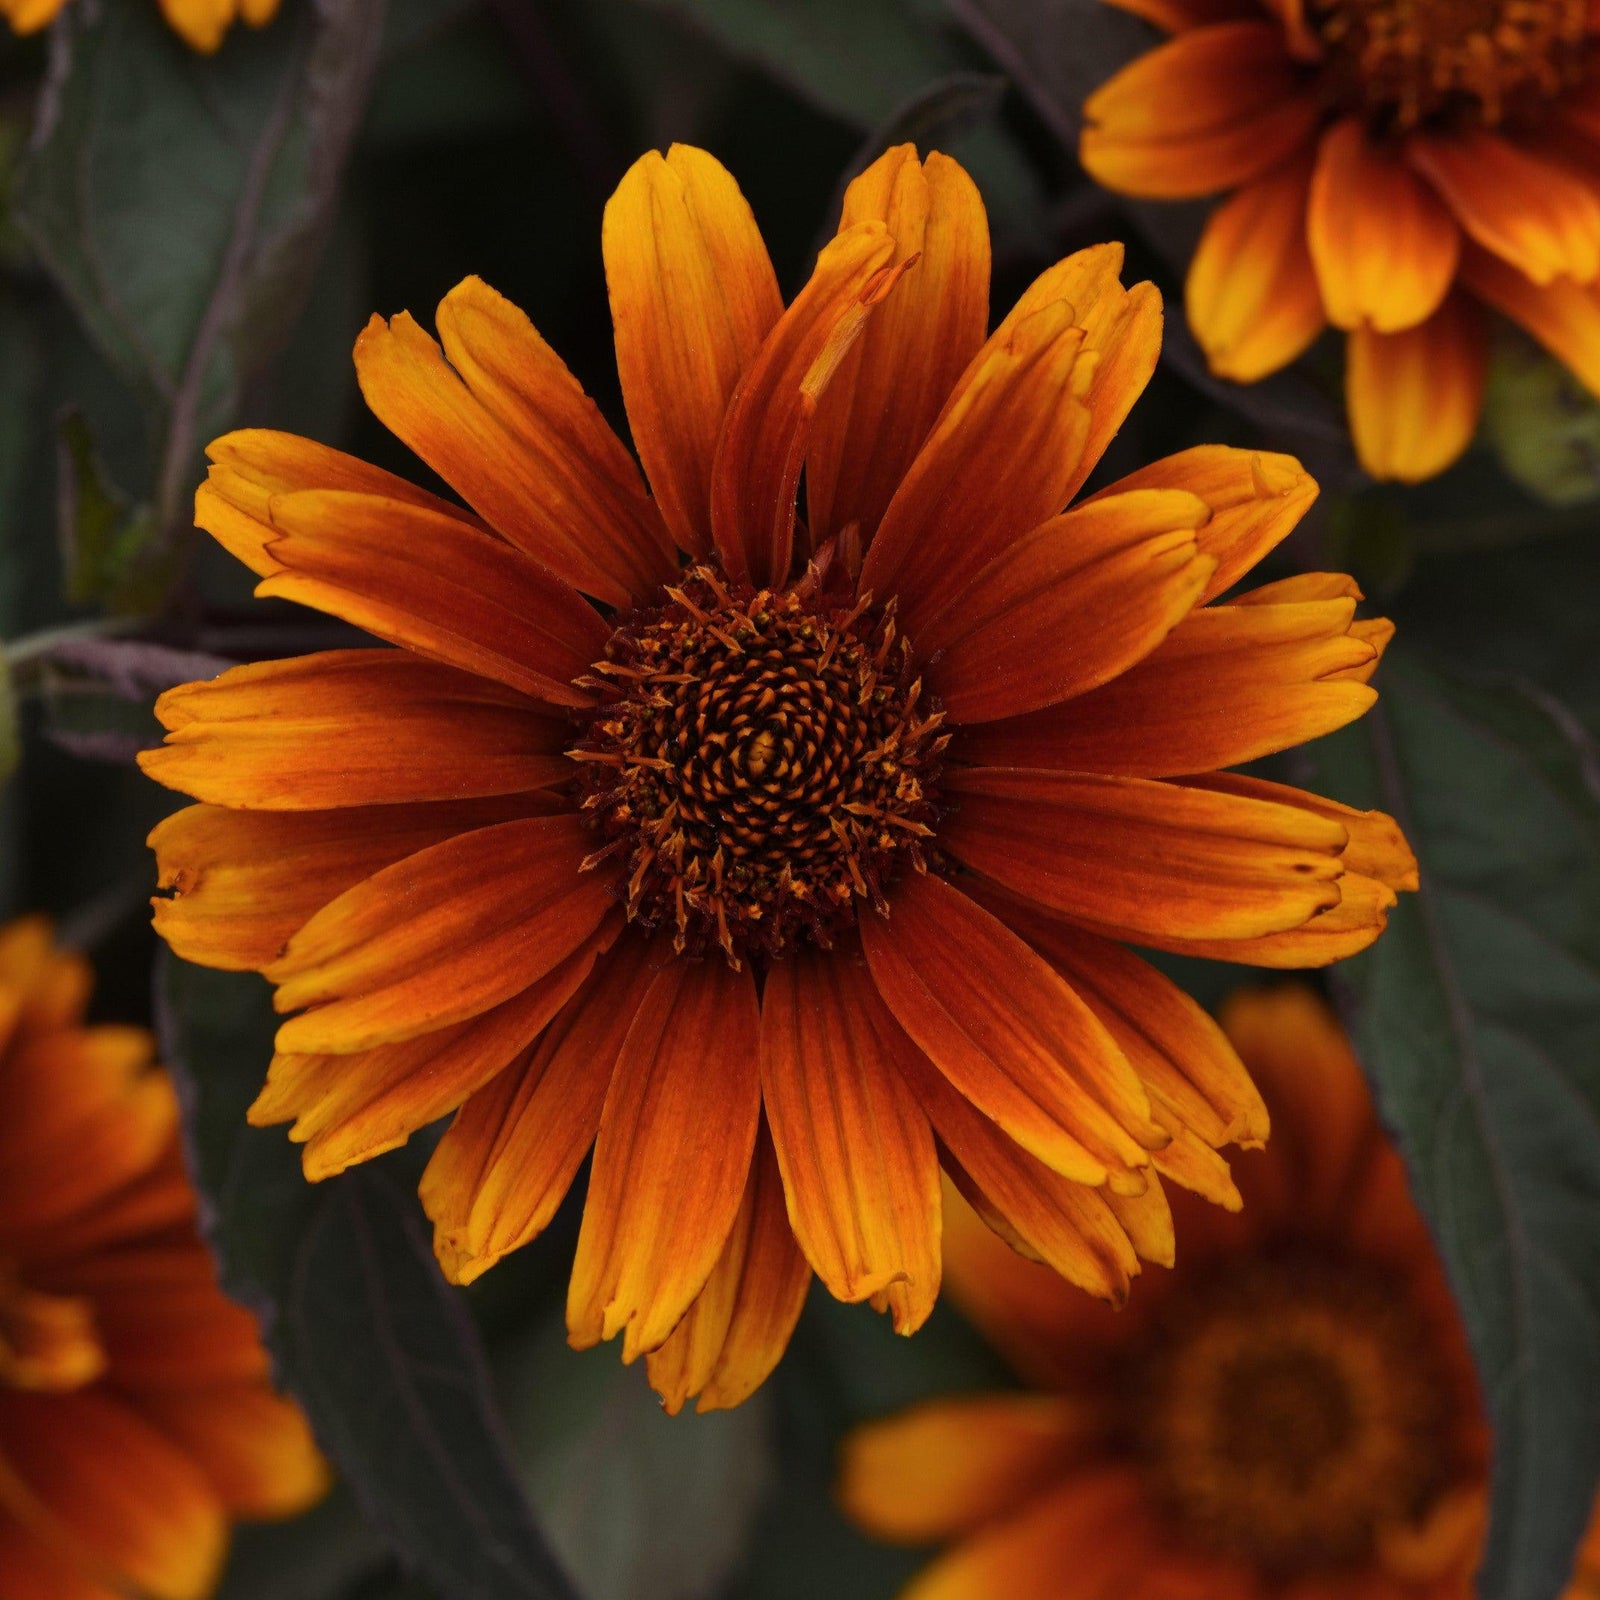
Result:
1070,605
506,1162
672,1160
692,297
1230,683
853,1145
1256,499
736,1331
441,936
1535,213
1251,293
1207,111
1042,1067
1414,397
436,585
353,728
894,381
1168,860
238,884
1384,244
756,473
946,1466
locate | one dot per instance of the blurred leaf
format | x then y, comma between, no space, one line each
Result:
317,1556
1541,422
364,1328
180,200
638,1505
1478,1014
10,733
111,550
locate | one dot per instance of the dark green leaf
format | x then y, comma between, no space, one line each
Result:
364,1329
321,1555
111,550
1478,1014
179,201
1543,424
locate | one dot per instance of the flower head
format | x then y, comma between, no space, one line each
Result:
201,24
1291,1412
136,1416
1396,166
776,860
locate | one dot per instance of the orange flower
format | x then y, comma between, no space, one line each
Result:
796,851
1397,166
202,24
136,1416
1290,1415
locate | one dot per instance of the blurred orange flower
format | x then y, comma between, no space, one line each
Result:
1397,167
202,24
136,1414
796,852
1291,1413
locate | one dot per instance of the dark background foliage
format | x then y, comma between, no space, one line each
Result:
189,244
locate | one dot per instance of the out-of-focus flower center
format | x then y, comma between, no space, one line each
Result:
762,760
47,1341
1403,63
1289,1411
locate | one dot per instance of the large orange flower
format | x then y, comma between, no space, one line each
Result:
202,24
136,1417
1290,1415
794,856
1398,165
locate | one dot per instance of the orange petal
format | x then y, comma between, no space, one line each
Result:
1121,340
239,884
254,1445
672,1159
441,936
756,473
946,1466
1229,684
544,478
159,1198
86,1113
1251,294
1384,244
1171,861
740,1324
1414,397
503,1167
351,728
135,1503
48,1342
1042,1067
1256,499
32,1566
251,465
1536,214
894,381
853,1145
1070,605
435,585
1179,1053
1016,419
1057,1220
692,298
1209,110
349,1108
1564,316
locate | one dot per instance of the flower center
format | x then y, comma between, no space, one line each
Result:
763,760
1288,1412
1402,63
47,1341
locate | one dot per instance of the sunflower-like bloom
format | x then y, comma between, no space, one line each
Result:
201,24
1292,1413
1397,165
776,861
136,1416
